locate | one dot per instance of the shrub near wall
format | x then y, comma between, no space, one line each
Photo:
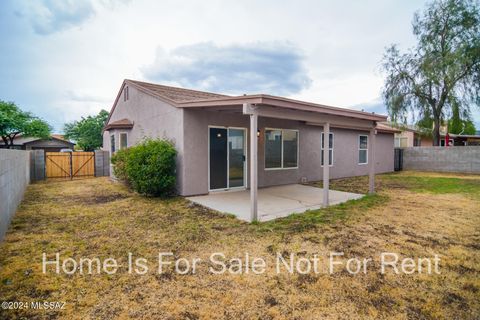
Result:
149,168
119,161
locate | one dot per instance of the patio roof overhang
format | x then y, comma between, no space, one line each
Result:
277,105
325,117
283,108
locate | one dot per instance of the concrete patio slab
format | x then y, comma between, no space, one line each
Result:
273,202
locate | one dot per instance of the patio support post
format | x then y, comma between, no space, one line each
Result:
326,167
371,160
252,111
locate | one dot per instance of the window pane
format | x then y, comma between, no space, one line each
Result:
290,148
330,149
330,141
273,149
363,142
330,157
123,140
112,143
362,156
397,142
236,153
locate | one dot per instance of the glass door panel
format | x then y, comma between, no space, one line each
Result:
218,158
236,158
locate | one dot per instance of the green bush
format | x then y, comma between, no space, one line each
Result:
149,168
119,161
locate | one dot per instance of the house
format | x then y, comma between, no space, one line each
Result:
409,136
251,141
462,139
55,143
413,136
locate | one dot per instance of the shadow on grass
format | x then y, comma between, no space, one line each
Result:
312,218
412,181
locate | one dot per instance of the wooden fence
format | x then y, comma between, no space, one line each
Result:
69,164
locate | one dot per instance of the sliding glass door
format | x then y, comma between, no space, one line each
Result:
227,158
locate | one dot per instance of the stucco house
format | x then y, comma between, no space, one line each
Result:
251,141
413,136
55,143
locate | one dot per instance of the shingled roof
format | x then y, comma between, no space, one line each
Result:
188,98
119,124
175,94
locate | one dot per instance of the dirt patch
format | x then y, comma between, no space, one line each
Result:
95,217
101,199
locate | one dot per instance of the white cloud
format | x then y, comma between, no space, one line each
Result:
49,16
272,67
86,48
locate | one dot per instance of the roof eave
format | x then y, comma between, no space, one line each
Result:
283,103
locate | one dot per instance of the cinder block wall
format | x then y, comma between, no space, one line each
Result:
444,159
14,178
102,163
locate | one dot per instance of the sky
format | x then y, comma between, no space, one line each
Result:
66,59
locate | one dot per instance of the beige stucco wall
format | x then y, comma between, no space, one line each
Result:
426,142
152,118
188,129
345,151
409,135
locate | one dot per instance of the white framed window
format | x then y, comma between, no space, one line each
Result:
330,148
362,149
123,140
400,141
112,144
281,149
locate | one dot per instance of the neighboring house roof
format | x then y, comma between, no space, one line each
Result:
187,98
452,135
406,127
383,127
21,140
60,137
119,124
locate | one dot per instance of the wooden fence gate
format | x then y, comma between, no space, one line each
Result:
69,164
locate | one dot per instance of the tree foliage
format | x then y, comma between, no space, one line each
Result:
15,122
459,124
87,132
442,73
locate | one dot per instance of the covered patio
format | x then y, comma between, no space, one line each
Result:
325,117
273,202
254,203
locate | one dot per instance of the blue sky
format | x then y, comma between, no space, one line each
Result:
65,59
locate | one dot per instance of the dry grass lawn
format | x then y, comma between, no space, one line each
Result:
414,214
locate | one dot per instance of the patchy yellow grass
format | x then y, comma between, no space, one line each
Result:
98,218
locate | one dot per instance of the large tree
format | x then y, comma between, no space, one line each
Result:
460,124
15,122
87,132
443,71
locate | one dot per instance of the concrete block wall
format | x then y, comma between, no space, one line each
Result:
462,159
37,165
14,178
102,163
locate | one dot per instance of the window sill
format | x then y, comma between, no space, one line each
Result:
278,169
